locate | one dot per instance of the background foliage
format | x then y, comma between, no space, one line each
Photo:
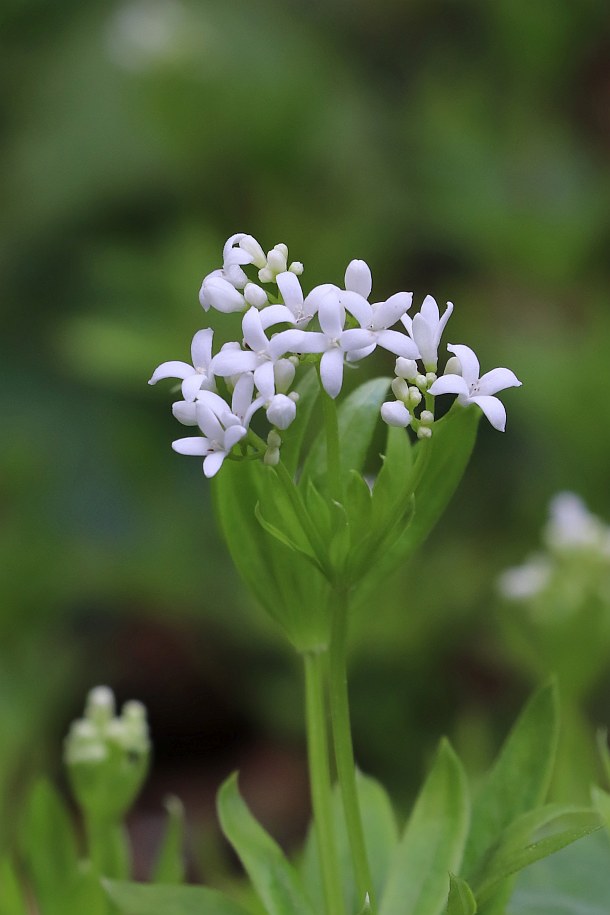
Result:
461,148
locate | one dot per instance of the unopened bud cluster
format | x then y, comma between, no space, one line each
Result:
283,327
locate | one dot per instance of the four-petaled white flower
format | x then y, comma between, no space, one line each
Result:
472,389
377,319
332,341
426,329
303,308
195,376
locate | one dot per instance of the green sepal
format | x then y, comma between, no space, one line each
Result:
519,779
461,898
12,898
158,899
169,866
530,838
275,880
380,836
433,841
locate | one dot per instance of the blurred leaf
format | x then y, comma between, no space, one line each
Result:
519,779
433,841
275,880
461,900
12,899
170,864
155,899
380,835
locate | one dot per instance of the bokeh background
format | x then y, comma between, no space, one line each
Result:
461,147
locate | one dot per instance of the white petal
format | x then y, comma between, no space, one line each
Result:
242,394
213,463
429,311
468,361
192,445
252,327
201,348
276,314
394,413
407,322
281,411
191,385
208,422
358,307
443,321
424,336
358,278
233,362
331,315
297,341
389,312
493,410
498,380
257,256
355,355
185,413
449,384
230,242
222,295
312,301
397,343
233,435
355,339
290,289
331,371
214,402
264,379
171,370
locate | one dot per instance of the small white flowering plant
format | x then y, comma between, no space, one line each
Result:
315,521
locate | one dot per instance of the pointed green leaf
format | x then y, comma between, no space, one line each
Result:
519,779
358,418
273,877
433,842
156,899
461,899
308,390
169,867
561,830
380,835
604,752
394,474
282,536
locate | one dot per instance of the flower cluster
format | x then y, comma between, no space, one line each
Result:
282,327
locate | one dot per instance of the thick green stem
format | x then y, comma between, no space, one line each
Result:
344,751
319,777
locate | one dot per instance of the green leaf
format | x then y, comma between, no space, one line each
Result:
358,418
601,802
461,899
519,779
433,842
394,475
380,835
169,867
604,752
561,827
156,899
12,900
273,877
308,390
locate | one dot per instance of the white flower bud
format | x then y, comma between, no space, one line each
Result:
406,368
400,389
294,395
296,267
266,275
256,296
272,457
415,397
424,432
252,247
283,372
281,411
430,378
100,705
283,249
222,295
274,439
426,417
395,413
276,261
453,367
420,380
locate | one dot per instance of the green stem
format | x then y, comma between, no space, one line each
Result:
333,450
319,777
344,751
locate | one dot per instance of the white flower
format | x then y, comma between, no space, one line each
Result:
472,389
333,341
241,249
219,293
572,526
261,354
394,413
242,409
195,376
303,308
525,581
377,318
426,329
219,435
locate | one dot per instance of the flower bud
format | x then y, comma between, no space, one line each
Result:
281,411
274,439
221,295
276,260
283,372
406,368
415,397
400,389
252,247
283,249
426,417
272,457
430,378
256,296
453,367
424,432
420,381
185,412
296,267
395,413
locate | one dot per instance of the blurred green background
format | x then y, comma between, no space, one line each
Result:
460,147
